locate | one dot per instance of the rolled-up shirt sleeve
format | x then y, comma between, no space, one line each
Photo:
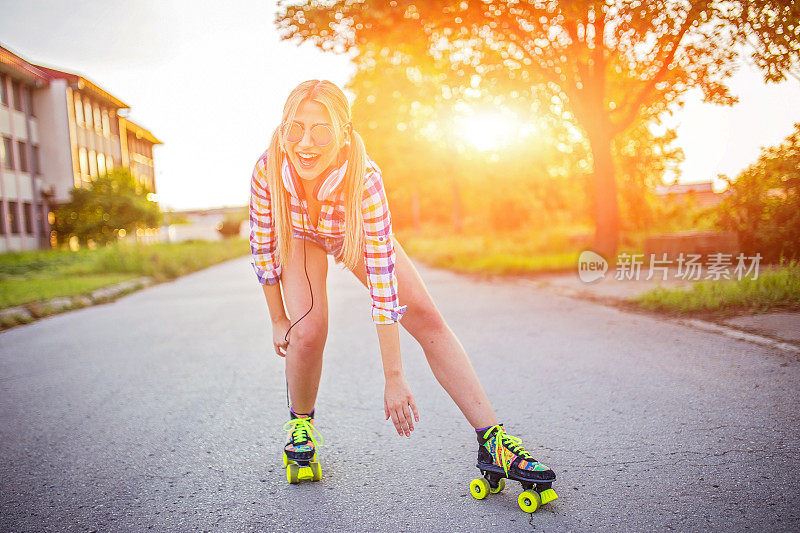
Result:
379,256
262,231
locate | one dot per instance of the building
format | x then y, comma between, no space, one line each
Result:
23,212
205,224
137,152
701,194
60,131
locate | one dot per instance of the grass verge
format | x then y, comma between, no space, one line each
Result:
775,288
34,276
494,254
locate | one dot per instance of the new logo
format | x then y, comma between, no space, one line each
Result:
591,266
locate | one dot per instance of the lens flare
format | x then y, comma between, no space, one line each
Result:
488,131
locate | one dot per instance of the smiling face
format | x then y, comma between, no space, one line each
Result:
309,159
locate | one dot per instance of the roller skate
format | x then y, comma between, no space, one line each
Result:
500,457
300,454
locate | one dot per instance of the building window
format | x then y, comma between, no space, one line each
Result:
78,110
84,161
13,218
87,111
101,164
98,122
27,211
3,92
29,101
106,125
37,169
92,164
23,156
8,153
16,95
3,219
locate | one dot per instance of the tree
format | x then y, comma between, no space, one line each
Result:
401,109
608,66
763,207
112,202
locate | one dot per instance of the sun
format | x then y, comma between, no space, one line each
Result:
487,130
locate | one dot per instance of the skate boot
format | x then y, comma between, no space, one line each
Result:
300,454
500,457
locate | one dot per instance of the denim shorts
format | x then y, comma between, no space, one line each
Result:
331,245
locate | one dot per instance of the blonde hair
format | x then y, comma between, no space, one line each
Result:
335,101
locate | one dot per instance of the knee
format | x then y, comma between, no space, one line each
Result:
308,336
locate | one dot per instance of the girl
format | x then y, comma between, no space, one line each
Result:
315,192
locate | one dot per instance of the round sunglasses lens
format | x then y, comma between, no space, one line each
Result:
321,135
294,133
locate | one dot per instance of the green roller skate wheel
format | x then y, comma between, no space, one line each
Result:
529,501
500,486
479,488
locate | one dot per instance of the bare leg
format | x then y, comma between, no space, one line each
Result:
445,354
306,338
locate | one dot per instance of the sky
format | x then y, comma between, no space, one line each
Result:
209,79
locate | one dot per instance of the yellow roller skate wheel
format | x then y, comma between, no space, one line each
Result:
316,470
305,473
285,459
500,486
548,496
292,473
479,488
529,501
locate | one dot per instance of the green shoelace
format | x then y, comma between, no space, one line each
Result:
504,441
302,431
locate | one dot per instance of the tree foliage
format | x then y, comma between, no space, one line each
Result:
111,202
764,202
434,172
606,67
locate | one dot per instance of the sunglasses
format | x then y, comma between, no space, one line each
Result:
321,135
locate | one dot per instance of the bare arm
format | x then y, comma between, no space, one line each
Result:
274,302
280,322
398,401
389,340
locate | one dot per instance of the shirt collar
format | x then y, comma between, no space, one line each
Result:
325,187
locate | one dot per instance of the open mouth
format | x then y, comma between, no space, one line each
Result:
307,160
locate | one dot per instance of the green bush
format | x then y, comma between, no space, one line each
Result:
764,205
114,201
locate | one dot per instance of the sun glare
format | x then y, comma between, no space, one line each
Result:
488,131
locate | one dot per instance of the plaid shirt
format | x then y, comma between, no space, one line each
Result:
379,256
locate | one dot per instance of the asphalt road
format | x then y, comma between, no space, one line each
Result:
164,411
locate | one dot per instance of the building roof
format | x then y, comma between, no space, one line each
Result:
12,63
83,84
685,188
140,132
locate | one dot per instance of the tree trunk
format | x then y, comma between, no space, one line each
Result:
606,234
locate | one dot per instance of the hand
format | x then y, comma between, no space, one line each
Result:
279,329
398,404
